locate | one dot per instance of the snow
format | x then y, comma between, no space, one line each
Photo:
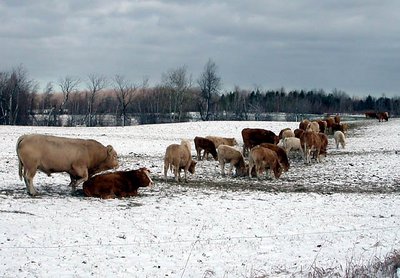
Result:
326,215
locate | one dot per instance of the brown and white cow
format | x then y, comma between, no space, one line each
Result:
205,144
228,154
118,184
255,136
261,159
310,142
178,157
80,158
382,116
280,152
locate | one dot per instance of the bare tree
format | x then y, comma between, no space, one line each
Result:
95,84
15,100
68,85
210,84
125,91
178,83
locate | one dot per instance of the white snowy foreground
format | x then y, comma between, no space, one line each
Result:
340,212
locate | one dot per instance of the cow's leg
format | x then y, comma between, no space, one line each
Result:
222,166
29,186
80,172
28,179
165,170
198,151
317,154
177,174
230,169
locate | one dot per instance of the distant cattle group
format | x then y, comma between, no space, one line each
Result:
381,116
262,151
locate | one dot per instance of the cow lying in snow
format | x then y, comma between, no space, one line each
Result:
339,139
205,144
117,184
178,157
80,158
228,154
263,158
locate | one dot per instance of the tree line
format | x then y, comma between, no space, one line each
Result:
90,101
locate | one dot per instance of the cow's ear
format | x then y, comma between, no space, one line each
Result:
110,149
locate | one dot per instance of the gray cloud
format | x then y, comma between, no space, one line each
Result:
349,45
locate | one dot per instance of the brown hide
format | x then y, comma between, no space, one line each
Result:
263,158
324,143
255,136
310,142
303,124
205,144
382,116
322,126
329,122
51,154
280,152
343,127
298,132
118,184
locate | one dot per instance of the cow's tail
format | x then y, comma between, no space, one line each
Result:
19,158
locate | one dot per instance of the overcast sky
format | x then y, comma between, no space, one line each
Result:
352,46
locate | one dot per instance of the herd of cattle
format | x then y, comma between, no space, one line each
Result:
83,159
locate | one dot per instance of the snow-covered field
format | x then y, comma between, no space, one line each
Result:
342,211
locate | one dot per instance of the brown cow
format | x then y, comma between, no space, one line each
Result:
298,132
324,143
178,157
382,116
228,154
80,158
370,115
303,124
310,142
255,136
330,121
263,158
118,184
280,152
322,126
343,127
205,144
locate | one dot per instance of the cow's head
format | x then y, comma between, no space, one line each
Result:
192,166
144,177
112,158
